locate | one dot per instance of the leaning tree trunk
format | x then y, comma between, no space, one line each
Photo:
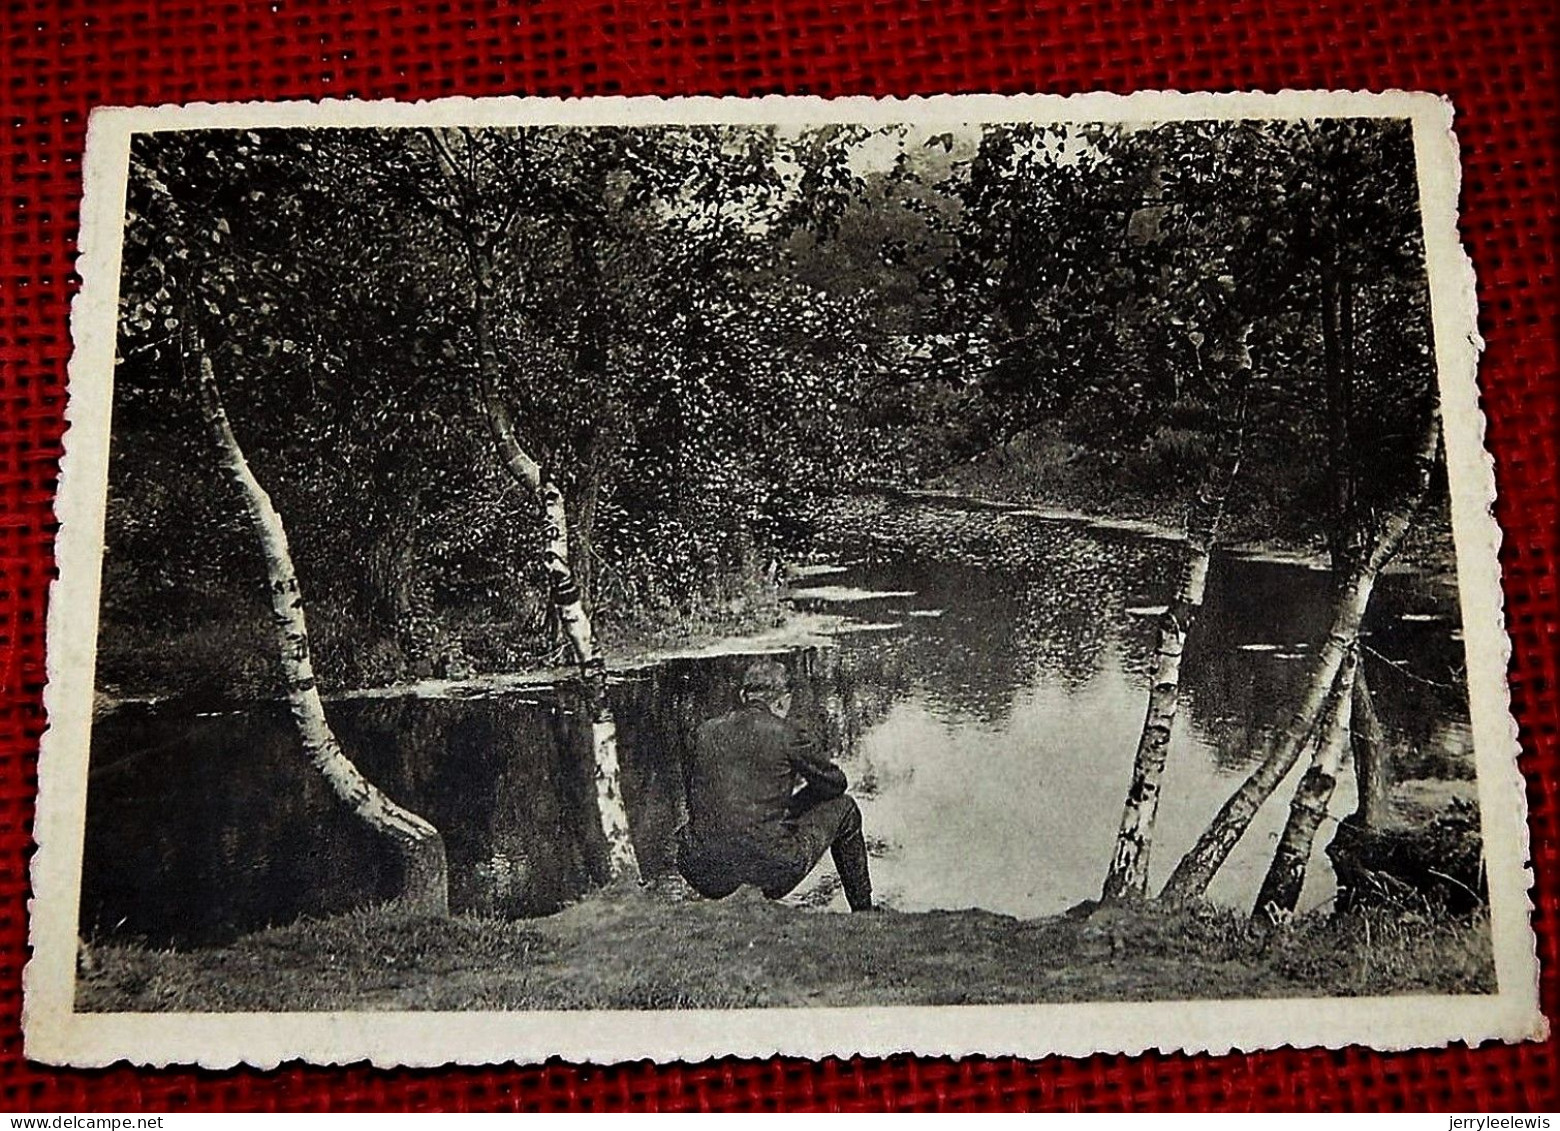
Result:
1127,877
1371,769
570,609
1197,868
1280,891
567,602
425,877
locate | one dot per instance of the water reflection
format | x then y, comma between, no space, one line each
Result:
988,736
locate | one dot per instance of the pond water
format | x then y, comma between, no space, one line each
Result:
983,689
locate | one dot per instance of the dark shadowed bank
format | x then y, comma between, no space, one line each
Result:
633,950
223,652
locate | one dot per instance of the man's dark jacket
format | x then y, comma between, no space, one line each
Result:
742,794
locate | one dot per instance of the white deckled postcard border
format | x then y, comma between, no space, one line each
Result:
55,1033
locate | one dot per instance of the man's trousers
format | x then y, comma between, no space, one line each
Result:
776,863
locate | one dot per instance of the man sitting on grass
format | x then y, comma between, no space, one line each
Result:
748,823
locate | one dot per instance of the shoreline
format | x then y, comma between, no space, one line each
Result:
1277,550
801,629
796,627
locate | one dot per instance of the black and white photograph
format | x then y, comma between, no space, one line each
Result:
657,578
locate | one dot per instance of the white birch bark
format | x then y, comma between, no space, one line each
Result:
1197,868
623,863
1280,891
425,880
1127,877
569,602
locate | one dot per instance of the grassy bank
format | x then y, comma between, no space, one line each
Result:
640,951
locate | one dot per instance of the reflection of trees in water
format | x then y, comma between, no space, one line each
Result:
508,781
1025,599
658,711
1234,698
850,691
1425,726
1237,697
1022,598
1079,589
970,661
200,829
1421,694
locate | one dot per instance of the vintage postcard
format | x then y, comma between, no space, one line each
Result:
668,578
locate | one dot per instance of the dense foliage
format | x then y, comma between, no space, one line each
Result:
706,333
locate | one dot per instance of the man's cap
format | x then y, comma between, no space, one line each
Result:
764,678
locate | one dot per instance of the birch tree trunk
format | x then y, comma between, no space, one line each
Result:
1371,770
568,603
1280,891
586,495
425,874
1127,877
1198,867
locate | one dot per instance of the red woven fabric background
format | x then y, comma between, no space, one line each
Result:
1496,60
